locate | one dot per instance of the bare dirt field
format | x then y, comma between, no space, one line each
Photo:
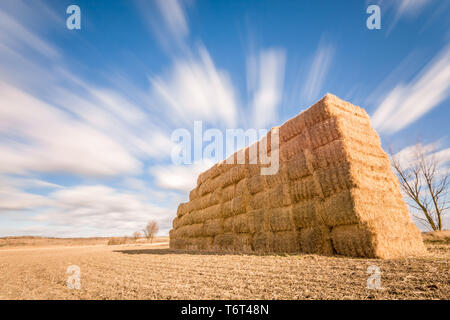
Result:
152,271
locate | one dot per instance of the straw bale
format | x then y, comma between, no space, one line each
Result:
338,209
303,189
242,242
224,241
242,187
279,196
228,224
280,219
334,179
353,240
259,200
213,227
262,242
241,223
238,205
193,194
304,214
182,209
316,239
334,193
256,184
324,133
286,241
227,193
258,221
297,167
226,209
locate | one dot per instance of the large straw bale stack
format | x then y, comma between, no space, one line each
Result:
334,193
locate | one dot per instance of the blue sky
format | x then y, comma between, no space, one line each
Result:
86,115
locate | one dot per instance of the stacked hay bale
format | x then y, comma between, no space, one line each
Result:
334,193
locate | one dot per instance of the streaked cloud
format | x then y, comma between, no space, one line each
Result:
181,178
174,16
104,209
265,76
194,89
313,86
39,137
167,20
407,102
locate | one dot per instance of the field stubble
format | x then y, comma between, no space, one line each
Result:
147,271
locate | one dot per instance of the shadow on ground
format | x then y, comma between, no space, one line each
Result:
215,253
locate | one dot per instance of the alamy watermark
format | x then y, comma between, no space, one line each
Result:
74,278
74,20
374,280
249,151
374,20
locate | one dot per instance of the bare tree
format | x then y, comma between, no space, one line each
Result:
137,235
425,183
151,229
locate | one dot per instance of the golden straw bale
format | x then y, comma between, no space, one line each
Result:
193,194
242,188
226,178
353,240
213,227
242,242
280,196
262,242
324,133
334,192
295,146
226,209
334,179
331,154
297,167
228,192
241,223
176,222
228,224
182,209
212,212
292,128
280,219
256,184
338,209
304,214
303,189
316,239
286,241
258,200
237,205
238,173
224,242
208,200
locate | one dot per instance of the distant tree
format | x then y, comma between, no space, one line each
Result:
137,235
425,182
151,229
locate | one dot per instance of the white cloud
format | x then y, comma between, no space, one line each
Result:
181,178
167,20
174,16
15,199
410,7
104,209
39,137
408,102
265,75
197,90
318,71
15,35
